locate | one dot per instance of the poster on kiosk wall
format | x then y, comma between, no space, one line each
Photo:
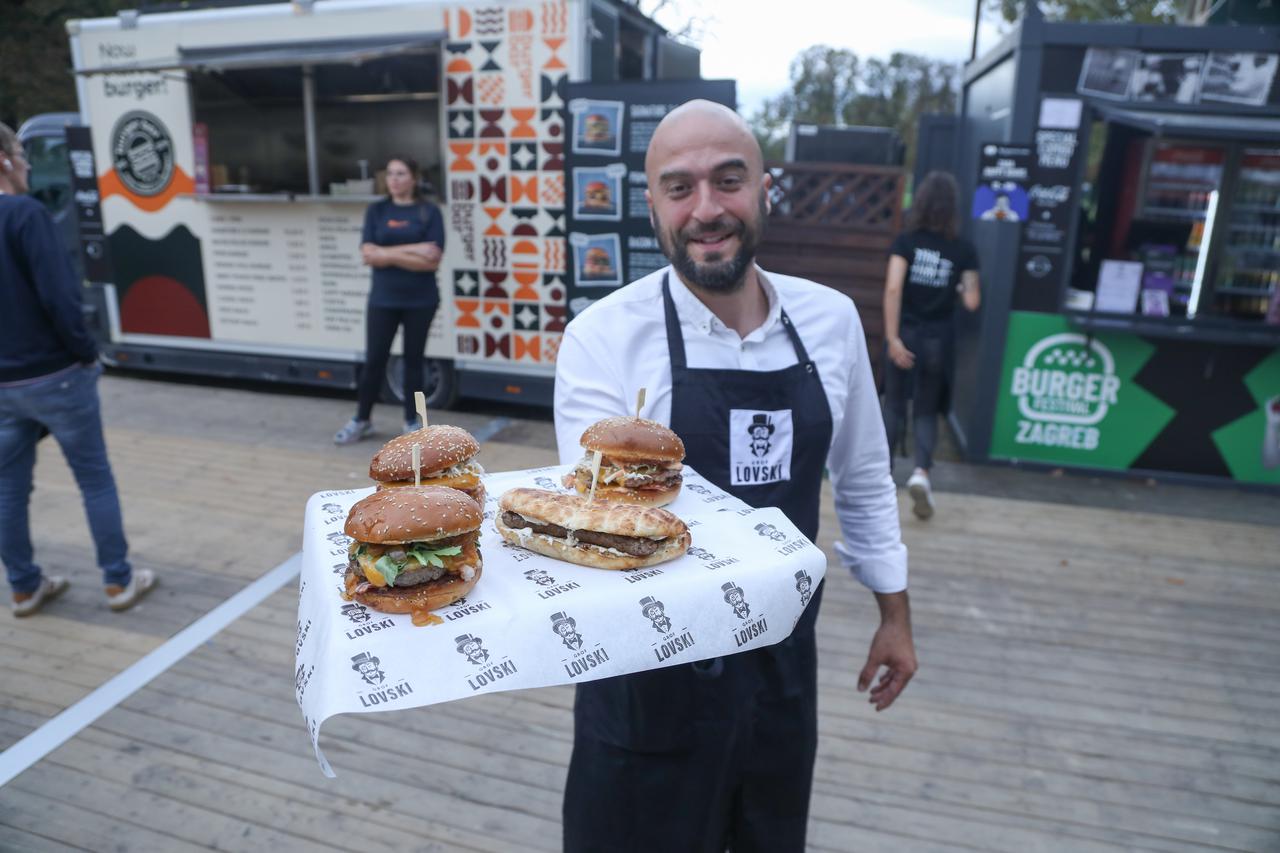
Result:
1119,401
610,239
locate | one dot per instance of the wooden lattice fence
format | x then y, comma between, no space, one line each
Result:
833,223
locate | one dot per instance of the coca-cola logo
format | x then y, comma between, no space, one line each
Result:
1050,195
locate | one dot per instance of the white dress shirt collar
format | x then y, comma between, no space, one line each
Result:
696,315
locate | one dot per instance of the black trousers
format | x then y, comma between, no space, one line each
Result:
380,330
925,385
699,758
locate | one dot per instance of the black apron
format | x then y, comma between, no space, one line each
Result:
719,754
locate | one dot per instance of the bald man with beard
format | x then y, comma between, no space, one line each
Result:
718,754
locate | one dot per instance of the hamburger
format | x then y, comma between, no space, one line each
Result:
597,263
447,454
596,196
641,462
415,549
596,128
590,533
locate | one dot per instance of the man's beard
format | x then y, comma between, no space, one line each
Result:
725,275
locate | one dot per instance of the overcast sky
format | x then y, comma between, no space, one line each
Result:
754,41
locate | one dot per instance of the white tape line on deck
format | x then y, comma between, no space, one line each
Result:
84,713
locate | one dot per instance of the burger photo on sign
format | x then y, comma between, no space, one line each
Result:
447,456
641,462
591,533
415,550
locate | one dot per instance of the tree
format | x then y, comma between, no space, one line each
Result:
35,54
1130,11
833,86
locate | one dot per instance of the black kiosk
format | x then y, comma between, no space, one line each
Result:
1129,232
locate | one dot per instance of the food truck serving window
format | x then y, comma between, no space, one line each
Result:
315,118
1180,220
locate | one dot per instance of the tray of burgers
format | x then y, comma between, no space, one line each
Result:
441,581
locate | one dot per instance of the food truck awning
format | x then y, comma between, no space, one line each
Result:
349,51
1194,124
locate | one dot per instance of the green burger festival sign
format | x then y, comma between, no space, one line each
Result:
1065,398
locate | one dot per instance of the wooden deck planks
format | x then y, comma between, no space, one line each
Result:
1091,680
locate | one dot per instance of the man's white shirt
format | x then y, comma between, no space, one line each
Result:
619,345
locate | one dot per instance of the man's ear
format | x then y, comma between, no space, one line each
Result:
767,183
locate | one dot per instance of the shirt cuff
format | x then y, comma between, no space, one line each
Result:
885,572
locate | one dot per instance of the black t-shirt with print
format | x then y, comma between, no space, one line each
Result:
389,224
934,265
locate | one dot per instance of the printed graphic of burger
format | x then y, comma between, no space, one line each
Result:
597,196
596,129
597,264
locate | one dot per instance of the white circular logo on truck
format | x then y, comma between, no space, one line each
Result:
1066,379
142,153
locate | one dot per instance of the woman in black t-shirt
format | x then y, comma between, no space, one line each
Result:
403,240
930,266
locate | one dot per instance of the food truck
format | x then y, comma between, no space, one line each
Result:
1124,184
228,154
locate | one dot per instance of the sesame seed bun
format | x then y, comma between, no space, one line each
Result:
412,514
633,439
441,447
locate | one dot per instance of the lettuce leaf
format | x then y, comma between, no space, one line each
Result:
389,569
431,556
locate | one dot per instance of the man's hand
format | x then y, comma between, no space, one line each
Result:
892,648
900,355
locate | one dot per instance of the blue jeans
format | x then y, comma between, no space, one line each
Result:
66,405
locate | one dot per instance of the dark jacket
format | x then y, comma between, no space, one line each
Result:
42,329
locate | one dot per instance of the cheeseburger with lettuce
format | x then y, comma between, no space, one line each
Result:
447,455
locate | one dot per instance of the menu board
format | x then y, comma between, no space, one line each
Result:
1051,203
611,241
286,275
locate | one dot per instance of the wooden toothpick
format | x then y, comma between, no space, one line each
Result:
417,464
420,401
639,402
595,473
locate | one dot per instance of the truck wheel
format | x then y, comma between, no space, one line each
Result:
437,374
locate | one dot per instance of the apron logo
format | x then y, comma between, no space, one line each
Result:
759,447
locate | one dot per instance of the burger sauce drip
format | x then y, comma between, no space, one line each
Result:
422,618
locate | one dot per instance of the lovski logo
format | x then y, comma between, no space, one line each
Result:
804,586
567,627
472,649
142,153
655,612
751,627
356,612
369,668
540,577
759,446
1064,386
768,530
737,599
581,659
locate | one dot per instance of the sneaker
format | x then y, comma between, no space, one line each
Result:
921,494
25,604
352,432
124,597
412,426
